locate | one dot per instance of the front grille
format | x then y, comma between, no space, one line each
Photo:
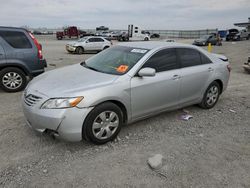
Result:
31,100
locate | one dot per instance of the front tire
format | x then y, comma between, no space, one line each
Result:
103,123
79,50
211,96
12,79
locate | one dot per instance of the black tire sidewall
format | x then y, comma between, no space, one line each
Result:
204,104
79,50
18,71
88,123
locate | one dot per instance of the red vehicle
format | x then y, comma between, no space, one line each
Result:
68,32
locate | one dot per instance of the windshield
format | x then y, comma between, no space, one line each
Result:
117,60
82,39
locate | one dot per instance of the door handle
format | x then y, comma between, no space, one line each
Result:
176,77
210,69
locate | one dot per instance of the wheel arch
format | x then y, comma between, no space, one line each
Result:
80,47
220,84
12,65
121,106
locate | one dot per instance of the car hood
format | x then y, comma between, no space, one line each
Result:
69,81
72,43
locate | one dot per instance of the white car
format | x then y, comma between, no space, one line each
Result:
91,43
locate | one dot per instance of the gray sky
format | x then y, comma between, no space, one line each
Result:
117,14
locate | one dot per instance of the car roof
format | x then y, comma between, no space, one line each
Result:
13,28
87,37
149,45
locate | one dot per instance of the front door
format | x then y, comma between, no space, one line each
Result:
154,94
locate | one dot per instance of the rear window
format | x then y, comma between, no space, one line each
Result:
189,57
16,39
204,59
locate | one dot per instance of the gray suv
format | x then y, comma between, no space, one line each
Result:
20,58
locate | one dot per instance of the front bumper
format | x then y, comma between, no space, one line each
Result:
70,48
67,123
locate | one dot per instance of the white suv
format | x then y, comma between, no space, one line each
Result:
88,44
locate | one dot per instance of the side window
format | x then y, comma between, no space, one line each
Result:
205,59
189,57
16,39
92,40
99,40
163,60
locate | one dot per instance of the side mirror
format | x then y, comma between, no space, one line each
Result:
148,72
87,41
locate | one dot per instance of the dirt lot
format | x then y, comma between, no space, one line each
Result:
210,150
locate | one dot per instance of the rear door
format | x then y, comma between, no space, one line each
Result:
89,44
212,39
153,94
2,53
99,44
196,73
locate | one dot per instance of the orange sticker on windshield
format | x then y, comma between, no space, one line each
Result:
122,68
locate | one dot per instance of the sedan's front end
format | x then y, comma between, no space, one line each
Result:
61,116
70,48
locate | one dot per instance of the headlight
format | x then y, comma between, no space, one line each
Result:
60,103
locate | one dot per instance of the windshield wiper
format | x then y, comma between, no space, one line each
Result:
86,66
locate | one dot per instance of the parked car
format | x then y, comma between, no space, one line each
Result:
123,36
20,57
232,35
114,34
155,35
205,40
244,34
123,84
91,43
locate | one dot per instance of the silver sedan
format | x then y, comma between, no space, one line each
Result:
123,84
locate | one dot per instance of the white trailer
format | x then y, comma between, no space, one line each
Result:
136,33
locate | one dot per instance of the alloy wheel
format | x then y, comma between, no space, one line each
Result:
105,125
12,80
212,95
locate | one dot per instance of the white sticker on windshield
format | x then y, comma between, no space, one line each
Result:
141,51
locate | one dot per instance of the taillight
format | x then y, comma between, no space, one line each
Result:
38,46
229,68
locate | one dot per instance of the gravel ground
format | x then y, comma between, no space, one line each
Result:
210,150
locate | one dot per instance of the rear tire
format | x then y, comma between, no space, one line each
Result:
12,79
103,123
211,96
79,50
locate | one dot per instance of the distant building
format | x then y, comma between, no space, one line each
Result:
244,24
